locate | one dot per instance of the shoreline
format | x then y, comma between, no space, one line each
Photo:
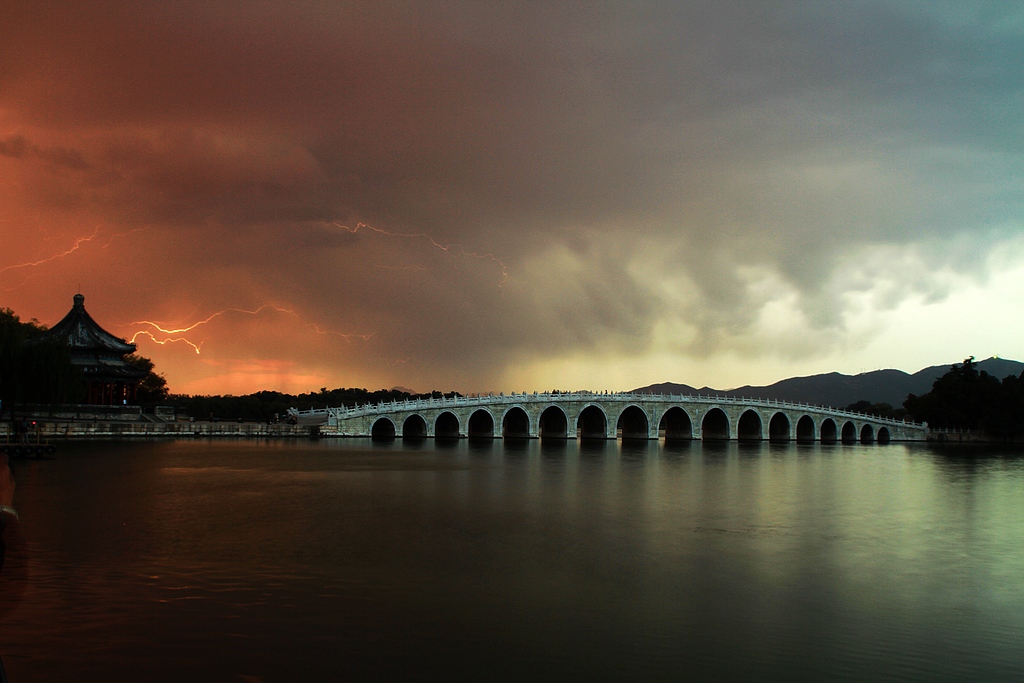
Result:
54,431
50,431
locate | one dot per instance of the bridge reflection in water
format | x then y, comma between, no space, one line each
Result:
589,415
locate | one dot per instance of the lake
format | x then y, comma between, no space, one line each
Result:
259,561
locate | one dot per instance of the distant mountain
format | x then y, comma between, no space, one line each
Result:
838,390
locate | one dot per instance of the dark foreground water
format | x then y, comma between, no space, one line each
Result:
318,561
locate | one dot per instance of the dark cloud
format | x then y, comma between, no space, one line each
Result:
16,146
521,161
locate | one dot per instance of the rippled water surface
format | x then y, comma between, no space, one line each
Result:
319,561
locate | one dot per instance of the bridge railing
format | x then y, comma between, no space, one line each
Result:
411,405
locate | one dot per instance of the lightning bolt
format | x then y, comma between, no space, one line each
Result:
123,234
389,267
161,342
347,337
78,243
40,262
196,347
455,248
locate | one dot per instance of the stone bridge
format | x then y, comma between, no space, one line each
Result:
589,415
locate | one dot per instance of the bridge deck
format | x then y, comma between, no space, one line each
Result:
608,415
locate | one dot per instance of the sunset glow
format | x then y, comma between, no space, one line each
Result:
517,196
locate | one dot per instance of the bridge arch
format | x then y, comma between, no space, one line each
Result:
778,427
553,423
633,423
481,424
588,415
592,423
849,432
447,426
383,428
414,427
715,425
676,424
829,431
805,429
515,423
749,426
867,434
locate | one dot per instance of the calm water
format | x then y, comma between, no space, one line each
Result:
317,561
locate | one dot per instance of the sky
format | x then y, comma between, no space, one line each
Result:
517,196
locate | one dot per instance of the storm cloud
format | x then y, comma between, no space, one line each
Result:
471,195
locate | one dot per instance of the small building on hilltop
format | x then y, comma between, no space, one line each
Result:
109,378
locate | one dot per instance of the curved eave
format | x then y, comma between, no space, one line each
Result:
83,335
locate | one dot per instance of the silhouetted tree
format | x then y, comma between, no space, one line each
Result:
34,369
152,390
12,339
877,409
1007,414
966,398
263,405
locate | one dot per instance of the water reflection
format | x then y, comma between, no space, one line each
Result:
482,446
680,447
502,559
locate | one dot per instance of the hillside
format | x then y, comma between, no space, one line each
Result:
838,390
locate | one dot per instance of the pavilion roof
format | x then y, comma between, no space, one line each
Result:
83,335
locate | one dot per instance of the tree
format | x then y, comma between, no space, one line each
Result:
12,339
152,390
879,409
34,369
263,405
1007,416
966,398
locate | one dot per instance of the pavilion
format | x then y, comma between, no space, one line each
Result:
109,378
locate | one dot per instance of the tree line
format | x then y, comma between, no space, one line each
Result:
270,405
964,398
968,398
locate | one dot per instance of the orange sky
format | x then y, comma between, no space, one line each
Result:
514,196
